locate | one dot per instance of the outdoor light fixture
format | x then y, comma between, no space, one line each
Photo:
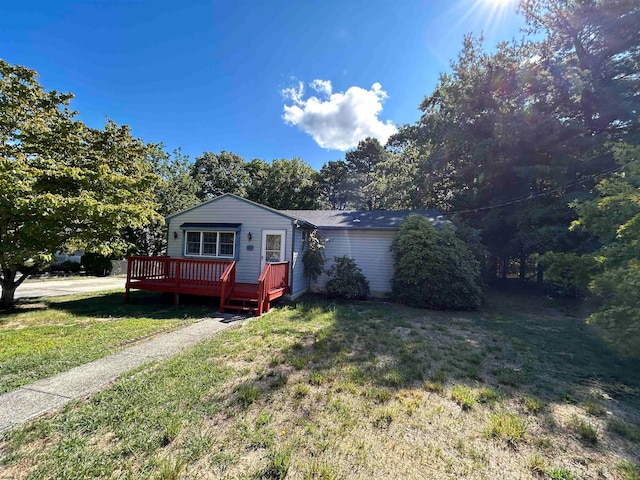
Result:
249,236
175,235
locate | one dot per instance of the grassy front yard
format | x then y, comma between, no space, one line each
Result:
521,389
47,336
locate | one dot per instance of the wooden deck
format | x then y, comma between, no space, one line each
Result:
212,278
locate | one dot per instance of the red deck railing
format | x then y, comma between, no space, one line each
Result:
215,278
180,275
228,282
273,279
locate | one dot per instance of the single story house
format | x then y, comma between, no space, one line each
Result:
254,238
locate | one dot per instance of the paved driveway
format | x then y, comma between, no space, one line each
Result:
54,288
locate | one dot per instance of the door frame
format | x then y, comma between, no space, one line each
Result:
263,247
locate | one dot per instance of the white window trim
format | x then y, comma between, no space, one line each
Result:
202,255
263,248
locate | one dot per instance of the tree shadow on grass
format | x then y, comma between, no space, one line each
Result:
157,306
528,345
525,351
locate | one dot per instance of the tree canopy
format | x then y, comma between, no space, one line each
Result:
614,217
63,185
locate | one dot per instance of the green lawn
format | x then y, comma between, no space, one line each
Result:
521,389
47,336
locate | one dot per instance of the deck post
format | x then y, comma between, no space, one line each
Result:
126,292
222,296
176,298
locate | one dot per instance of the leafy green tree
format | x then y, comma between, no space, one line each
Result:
289,185
362,163
218,173
394,181
429,185
63,186
177,191
591,54
570,273
434,269
614,216
258,171
334,176
496,149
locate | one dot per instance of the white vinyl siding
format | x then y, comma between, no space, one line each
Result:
253,218
298,280
369,249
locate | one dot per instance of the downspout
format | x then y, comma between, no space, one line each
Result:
294,225
166,253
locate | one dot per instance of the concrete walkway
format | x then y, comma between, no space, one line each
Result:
28,402
57,287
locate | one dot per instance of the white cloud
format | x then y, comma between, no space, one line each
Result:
337,121
294,93
322,86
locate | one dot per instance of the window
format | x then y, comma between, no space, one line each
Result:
210,244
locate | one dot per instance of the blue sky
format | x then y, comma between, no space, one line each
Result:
217,75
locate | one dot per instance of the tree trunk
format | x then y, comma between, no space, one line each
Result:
523,267
9,284
8,297
8,290
540,274
494,267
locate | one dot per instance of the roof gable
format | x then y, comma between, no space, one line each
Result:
235,197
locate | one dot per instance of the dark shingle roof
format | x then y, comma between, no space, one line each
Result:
363,219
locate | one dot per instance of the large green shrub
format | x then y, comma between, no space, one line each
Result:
96,264
434,268
67,266
347,280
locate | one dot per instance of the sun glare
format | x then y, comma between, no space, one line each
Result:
490,13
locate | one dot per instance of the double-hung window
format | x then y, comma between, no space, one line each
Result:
210,244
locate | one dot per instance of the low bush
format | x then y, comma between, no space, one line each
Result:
347,280
434,268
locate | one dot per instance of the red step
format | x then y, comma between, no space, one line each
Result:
242,305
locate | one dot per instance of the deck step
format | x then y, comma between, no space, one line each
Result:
243,299
241,308
242,303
